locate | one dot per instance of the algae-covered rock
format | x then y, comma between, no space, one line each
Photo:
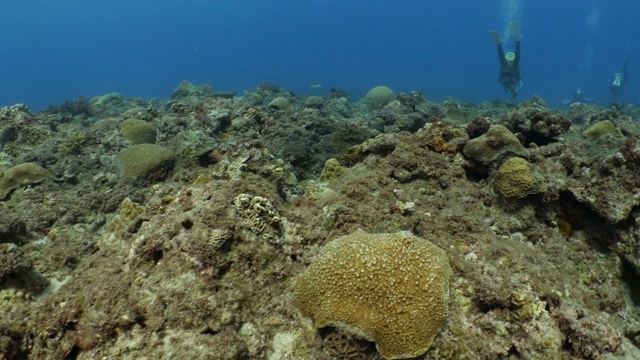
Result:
138,131
392,289
378,97
515,179
13,260
148,161
498,141
20,175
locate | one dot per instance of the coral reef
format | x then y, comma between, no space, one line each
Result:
201,262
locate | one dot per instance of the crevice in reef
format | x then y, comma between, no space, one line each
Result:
631,284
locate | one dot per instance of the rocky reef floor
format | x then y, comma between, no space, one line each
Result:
175,229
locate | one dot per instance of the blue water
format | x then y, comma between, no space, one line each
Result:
59,49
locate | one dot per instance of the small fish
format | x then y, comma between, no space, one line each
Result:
315,85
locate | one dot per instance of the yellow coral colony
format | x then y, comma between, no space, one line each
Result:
392,289
515,179
23,174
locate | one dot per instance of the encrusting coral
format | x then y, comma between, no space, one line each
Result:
392,289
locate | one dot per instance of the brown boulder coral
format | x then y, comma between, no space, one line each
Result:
601,128
146,162
515,179
138,131
392,289
20,175
497,142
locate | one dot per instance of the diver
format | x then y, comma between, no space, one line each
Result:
509,62
619,80
578,97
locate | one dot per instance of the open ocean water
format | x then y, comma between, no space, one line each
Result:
53,51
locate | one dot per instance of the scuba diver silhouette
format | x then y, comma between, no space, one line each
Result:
619,80
578,97
509,62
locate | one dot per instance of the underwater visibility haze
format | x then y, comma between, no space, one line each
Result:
58,50
317,180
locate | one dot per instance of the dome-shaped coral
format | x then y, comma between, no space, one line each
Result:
392,289
515,179
378,97
601,128
138,131
498,141
19,175
145,162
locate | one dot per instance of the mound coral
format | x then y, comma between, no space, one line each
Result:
281,103
19,175
497,142
378,97
332,170
392,289
138,131
145,161
602,128
515,179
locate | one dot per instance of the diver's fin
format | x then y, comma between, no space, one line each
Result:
514,27
495,36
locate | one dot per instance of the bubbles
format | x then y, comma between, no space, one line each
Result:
593,19
511,10
592,25
585,65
